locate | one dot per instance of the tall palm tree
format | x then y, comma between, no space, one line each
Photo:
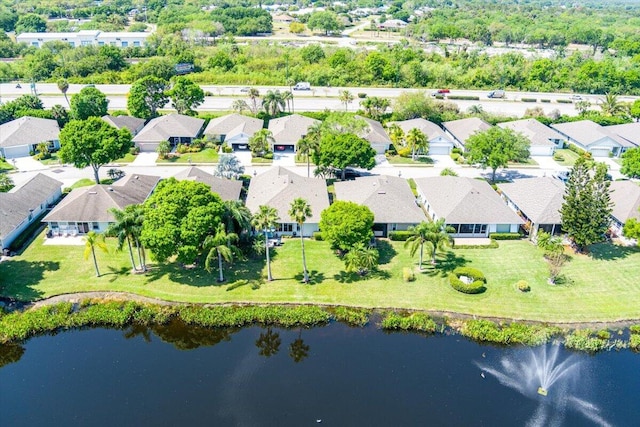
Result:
220,245
254,94
433,234
261,142
396,134
137,214
361,259
63,86
299,212
236,216
264,220
346,98
123,230
611,106
94,240
287,96
273,102
417,140
310,143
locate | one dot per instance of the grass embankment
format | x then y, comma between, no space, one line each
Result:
601,287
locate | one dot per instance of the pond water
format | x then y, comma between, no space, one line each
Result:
333,375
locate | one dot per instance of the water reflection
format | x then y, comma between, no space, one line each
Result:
298,350
10,353
181,335
268,343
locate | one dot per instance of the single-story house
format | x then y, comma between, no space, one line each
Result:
19,137
592,137
439,141
86,38
133,124
227,189
375,133
392,24
288,130
537,201
283,18
628,131
468,205
175,128
542,139
233,129
625,196
460,130
20,207
390,199
87,208
278,187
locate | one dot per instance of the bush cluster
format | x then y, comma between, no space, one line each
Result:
266,315
505,236
399,235
564,101
352,316
584,340
523,286
409,322
529,100
408,275
475,287
513,333
493,245
464,97
317,235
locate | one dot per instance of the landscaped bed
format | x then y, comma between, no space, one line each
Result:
602,287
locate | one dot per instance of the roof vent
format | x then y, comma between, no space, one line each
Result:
136,177
93,192
110,188
382,192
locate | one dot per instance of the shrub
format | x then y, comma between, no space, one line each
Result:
529,100
408,275
523,286
564,101
464,97
134,151
505,236
578,150
182,148
352,316
228,150
514,333
268,156
399,236
404,152
414,322
558,157
474,273
455,156
584,340
634,342
546,101
317,235
475,287
362,95
457,150
493,245
635,329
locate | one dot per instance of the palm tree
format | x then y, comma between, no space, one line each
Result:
611,106
287,96
310,143
236,216
396,134
254,94
94,240
261,142
417,140
476,110
123,229
239,105
434,234
361,259
273,102
63,86
221,244
346,98
299,212
264,220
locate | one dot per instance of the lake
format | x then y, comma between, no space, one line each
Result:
333,375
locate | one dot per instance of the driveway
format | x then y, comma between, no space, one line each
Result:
443,161
547,162
244,157
27,164
284,159
145,159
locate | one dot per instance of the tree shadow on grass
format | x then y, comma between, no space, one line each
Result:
116,273
346,277
445,264
386,252
315,277
18,277
611,252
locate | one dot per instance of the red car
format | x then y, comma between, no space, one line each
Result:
440,92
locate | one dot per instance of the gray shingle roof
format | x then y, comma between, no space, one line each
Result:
465,201
625,196
227,189
462,129
92,204
290,129
15,206
540,199
628,131
432,130
233,124
128,122
172,125
537,133
587,133
28,131
374,132
277,188
389,198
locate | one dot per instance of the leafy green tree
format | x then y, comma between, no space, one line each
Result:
587,207
60,114
346,98
163,150
92,241
635,109
31,23
261,141
396,134
146,96
312,53
496,147
631,229
345,224
340,151
325,20
92,142
6,183
433,234
89,102
296,28
417,141
220,245
375,107
236,216
265,220
185,95
631,163
124,229
273,102
63,86
299,212
361,259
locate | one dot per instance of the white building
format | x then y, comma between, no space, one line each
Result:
86,38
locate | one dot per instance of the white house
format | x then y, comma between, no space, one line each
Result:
86,38
460,130
542,139
591,137
233,129
19,137
376,135
288,130
174,128
439,141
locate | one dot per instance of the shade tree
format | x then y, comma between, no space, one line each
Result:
89,102
146,96
496,147
185,95
341,150
345,224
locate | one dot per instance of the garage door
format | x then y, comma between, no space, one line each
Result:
541,151
18,151
148,147
438,149
600,152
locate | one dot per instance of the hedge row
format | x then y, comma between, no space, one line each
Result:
493,245
564,101
400,235
505,236
529,100
464,97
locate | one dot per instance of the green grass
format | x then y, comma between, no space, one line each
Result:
86,182
569,157
53,160
5,166
208,155
419,161
599,288
528,162
128,158
261,161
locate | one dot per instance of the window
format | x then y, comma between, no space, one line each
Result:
125,44
286,228
100,43
85,42
34,44
95,226
136,44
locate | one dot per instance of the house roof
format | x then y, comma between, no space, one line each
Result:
430,129
537,133
393,23
172,125
227,189
540,199
465,201
132,123
277,188
28,131
628,131
374,132
290,129
462,129
389,198
625,196
587,133
15,205
92,204
232,125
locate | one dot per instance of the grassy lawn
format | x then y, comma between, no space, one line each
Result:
53,160
208,155
603,287
5,166
128,158
261,161
529,162
86,182
569,157
419,161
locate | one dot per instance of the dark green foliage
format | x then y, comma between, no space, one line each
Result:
463,97
409,322
584,340
400,236
342,150
267,315
352,316
475,287
346,224
513,333
317,235
529,99
243,21
496,147
505,236
89,102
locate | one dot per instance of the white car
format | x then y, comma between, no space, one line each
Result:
577,97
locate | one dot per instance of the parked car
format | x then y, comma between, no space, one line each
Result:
349,173
302,86
562,176
496,94
244,89
576,97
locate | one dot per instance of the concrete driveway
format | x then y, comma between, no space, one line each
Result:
26,164
547,162
145,159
